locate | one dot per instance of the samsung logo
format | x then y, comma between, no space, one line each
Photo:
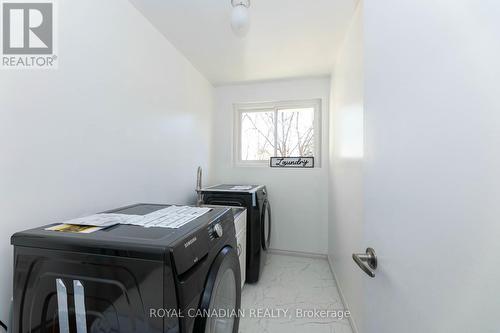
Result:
190,242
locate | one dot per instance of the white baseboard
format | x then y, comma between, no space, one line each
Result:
298,254
354,327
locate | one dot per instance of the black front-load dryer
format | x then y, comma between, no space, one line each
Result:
126,278
254,198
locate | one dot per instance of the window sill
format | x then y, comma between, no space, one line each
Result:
266,165
251,164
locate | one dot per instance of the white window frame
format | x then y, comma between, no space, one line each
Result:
240,108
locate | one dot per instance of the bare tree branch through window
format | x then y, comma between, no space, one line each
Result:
277,132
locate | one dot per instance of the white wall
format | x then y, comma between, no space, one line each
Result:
432,165
346,169
124,119
298,197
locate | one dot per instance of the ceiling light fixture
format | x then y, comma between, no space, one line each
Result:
240,18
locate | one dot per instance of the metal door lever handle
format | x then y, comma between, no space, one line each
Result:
370,258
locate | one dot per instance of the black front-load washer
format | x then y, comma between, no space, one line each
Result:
128,278
254,199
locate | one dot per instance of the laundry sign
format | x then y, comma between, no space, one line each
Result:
292,162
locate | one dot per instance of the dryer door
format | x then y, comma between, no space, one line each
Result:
265,227
221,298
69,292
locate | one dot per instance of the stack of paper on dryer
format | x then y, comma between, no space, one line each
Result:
170,217
101,220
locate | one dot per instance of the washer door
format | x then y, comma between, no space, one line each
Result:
221,298
265,227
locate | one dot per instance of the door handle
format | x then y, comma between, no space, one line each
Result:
370,258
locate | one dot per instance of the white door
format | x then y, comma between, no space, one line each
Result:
432,166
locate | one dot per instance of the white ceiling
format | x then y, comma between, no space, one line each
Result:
287,38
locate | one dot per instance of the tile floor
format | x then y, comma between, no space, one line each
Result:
292,283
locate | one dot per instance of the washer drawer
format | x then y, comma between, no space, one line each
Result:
240,221
240,224
241,240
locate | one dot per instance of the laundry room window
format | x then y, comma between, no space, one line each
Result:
282,129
